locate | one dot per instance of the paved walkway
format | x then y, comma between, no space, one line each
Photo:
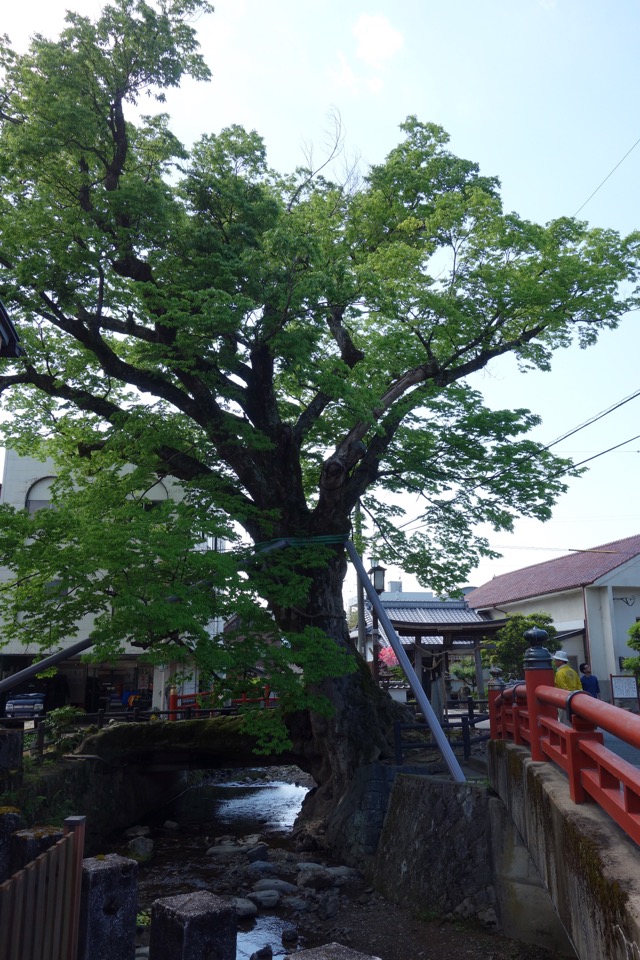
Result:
624,750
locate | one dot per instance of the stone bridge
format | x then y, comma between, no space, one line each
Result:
587,864
164,746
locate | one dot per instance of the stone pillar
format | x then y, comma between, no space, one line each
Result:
10,759
108,908
10,821
193,926
26,845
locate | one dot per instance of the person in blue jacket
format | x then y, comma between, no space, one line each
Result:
589,683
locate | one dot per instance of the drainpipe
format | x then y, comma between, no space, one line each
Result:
587,641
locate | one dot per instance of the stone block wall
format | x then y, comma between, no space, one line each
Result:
354,830
435,849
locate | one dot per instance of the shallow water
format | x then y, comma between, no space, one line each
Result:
239,808
210,810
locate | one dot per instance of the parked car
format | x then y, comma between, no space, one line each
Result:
34,698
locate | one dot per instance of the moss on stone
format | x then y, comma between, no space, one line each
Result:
584,855
222,739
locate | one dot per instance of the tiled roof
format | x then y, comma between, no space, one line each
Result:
577,569
426,613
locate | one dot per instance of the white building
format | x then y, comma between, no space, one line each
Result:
592,595
26,484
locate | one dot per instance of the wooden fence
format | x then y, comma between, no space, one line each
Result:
40,905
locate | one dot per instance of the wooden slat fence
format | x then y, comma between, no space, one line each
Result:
40,905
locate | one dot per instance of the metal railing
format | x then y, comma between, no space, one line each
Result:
464,725
188,706
526,713
48,889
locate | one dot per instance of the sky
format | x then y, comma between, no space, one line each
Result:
542,93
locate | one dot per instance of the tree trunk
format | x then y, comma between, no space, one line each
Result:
360,729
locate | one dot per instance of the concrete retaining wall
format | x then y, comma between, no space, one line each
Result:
444,849
589,866
435,849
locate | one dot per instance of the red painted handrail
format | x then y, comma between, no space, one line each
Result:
181,701
527,713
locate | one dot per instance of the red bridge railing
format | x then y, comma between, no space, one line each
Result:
195,705
526,713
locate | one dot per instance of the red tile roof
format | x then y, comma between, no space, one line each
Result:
563,573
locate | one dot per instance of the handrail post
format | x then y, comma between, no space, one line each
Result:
77,826
495,687
538,671
173,704
466,738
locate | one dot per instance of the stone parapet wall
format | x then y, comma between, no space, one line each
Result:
444,849
590,868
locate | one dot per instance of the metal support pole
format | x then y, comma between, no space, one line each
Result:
41,665
421,698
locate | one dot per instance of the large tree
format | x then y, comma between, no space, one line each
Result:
284,346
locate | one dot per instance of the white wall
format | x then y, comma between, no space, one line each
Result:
19,475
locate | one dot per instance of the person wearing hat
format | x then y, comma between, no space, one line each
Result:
566,677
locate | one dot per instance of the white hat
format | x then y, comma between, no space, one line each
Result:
561,655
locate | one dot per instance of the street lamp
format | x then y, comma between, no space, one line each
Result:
376,575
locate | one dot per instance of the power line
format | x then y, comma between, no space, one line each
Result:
571,466
595,456
593,419
591,196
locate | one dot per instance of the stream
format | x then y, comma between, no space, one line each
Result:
251,805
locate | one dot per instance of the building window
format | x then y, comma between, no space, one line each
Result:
39,495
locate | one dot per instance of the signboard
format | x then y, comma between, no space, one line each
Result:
624,688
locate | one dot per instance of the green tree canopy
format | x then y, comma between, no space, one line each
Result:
508,648
282,345
633,663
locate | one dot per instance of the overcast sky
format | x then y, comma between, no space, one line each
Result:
542,93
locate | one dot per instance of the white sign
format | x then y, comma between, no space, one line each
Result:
624,688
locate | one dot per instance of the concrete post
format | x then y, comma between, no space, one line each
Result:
538,672
108,908
26,845
193,926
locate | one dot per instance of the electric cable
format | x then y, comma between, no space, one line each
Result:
591,196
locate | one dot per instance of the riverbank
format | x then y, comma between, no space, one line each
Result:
290,898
